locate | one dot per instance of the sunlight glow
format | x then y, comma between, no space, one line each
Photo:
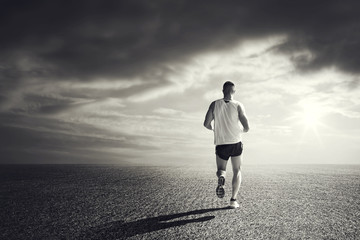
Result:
311,116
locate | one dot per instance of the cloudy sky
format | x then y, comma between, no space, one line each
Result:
131,81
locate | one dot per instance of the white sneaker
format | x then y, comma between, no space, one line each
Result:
234,204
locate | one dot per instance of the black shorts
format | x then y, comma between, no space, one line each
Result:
229,150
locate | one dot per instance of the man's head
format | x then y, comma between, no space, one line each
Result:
228,88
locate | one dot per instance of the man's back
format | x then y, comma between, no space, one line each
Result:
226,118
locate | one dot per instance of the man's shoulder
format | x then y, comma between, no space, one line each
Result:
237,103
216,101
212,105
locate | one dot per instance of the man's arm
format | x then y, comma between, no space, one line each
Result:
242,117
209,116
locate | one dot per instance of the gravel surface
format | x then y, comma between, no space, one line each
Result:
114,202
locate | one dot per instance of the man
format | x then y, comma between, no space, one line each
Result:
227,114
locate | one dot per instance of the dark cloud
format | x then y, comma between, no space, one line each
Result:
42,104
38,140
88,39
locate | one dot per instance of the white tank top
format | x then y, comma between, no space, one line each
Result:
227,128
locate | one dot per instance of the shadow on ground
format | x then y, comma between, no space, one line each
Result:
121,229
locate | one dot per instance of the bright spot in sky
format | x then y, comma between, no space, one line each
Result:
312,115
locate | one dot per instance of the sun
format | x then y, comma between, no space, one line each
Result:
311,117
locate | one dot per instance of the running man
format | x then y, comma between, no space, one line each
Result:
227,114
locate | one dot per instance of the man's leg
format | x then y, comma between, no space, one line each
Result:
221,166
221,171
236,181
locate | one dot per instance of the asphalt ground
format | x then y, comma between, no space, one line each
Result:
139,202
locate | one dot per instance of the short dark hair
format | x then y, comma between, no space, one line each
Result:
227,85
